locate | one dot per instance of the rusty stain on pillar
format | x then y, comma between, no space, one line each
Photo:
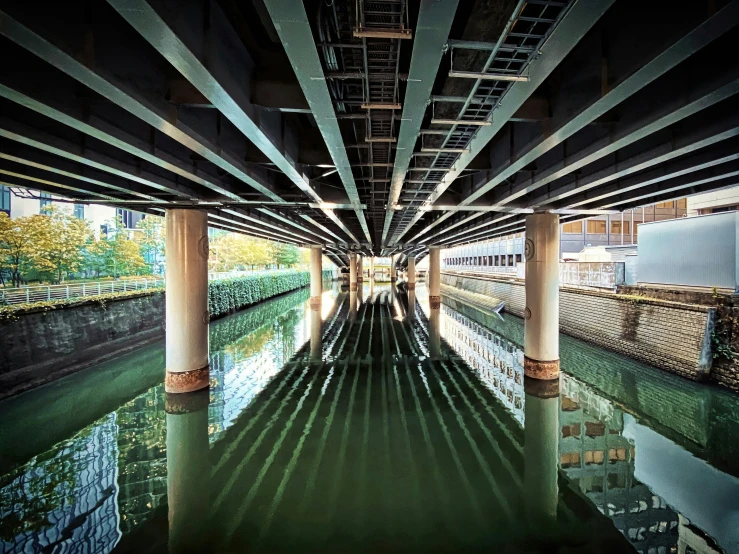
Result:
187,316
541,315
434,277
352,271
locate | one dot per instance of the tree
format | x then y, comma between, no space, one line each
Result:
56,242
15,238
151,238
120,255
285,254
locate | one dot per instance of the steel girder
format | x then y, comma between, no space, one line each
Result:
574,25
702,35
176,130
432,32
293,28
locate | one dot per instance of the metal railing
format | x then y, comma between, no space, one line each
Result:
607,275
73,290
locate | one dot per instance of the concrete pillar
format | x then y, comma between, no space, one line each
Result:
316,335
360,269
372,268
393,271
541,326
541,454
352,271
316,276
434,278
187,314
188,471
411,273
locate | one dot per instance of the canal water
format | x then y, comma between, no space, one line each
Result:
374,425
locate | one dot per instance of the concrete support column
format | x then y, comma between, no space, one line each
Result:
393,271
188,471
541,327
541,435
187,314
352,271
360,269
434,278
316,276
411,273
372,268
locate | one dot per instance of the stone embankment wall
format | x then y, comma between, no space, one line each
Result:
42,345
672,336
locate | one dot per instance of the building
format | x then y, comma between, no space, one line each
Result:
603,230
17,202
724,200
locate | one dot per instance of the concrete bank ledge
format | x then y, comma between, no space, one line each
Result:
672,336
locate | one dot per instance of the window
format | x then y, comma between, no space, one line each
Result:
667,205
518,258
682,203
497,260
596,227
574,228
5,199
44,201
616,227
79,211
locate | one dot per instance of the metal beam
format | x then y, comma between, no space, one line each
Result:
432,30
702,35
291,23
574,25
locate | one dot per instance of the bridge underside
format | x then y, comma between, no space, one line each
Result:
379,126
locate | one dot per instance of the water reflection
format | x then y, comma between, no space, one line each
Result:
378,424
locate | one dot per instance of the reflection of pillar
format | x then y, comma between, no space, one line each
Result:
352,303
352,271
435,332
393,271
411,304
187,315
434,278
411,273
541,433
541,328
360,269
315,334
316,276
188,471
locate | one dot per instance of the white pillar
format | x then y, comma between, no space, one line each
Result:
372,268
541,327
541,455
352,271
187,314
434,279
411,273
316,276
360,269
393,271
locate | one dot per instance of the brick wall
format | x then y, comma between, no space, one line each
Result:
667,335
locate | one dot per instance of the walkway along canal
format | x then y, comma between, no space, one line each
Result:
369,426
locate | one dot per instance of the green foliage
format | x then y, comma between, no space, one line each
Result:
231,294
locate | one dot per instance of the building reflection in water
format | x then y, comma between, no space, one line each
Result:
582,434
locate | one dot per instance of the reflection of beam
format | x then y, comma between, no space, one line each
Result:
574,25
291,22
678,52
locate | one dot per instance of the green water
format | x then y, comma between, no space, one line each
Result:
393,429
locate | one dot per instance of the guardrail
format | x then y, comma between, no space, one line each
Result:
606,275
73,290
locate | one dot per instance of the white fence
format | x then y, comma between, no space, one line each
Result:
74,290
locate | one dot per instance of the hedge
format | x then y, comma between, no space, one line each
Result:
227,295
